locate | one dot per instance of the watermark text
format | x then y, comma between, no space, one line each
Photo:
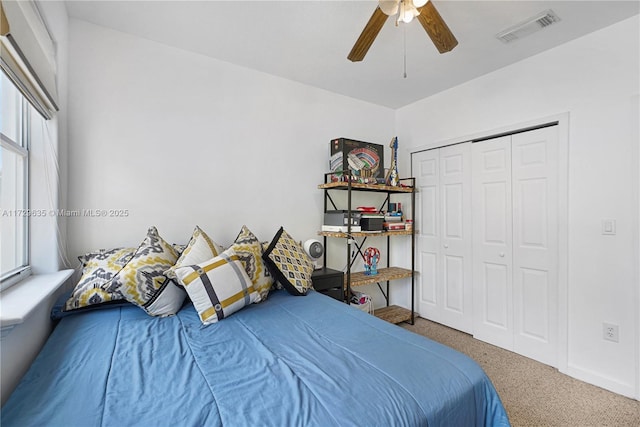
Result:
66,213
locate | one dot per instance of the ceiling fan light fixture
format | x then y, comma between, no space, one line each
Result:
419,3
407,11
389,7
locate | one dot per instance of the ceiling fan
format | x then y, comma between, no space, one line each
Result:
406,10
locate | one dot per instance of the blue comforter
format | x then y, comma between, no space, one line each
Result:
289,361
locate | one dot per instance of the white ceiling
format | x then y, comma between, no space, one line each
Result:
308,41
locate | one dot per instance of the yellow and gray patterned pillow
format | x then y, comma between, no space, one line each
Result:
249,250
200,248
218,287
289,263
96,285
142,280
179,248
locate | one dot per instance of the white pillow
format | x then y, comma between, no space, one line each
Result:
218,287
200,248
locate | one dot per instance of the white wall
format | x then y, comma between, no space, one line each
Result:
180,139
595,80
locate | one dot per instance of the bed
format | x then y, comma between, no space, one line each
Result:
288,361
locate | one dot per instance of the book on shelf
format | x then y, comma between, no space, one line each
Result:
394,226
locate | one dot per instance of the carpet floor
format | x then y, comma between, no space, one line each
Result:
535,394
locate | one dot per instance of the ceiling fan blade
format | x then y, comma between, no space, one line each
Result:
368,35
436,28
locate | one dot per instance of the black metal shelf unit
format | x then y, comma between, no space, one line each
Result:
407,186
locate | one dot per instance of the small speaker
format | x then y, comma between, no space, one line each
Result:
315,250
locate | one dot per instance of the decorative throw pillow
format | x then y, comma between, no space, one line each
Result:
249,250
276,286
289,263
179,248
58,311
200,248
218,287
96,285
143,282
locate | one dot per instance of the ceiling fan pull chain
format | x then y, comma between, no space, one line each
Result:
404,45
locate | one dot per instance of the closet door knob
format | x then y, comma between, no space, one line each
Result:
446,246
501,254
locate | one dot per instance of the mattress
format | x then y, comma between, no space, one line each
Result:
289,361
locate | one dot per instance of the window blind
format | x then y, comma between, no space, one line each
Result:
27,54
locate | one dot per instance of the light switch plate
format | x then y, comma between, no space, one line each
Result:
608,226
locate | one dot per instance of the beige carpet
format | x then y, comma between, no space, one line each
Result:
535,394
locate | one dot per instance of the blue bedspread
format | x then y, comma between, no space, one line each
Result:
289,361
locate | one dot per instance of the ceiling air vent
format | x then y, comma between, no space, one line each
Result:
529,26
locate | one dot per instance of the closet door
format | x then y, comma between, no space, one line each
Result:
515,242
492,242
444,235
535,243
455,237
426,169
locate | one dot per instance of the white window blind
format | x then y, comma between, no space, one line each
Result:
27,54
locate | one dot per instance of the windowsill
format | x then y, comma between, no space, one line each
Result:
17,302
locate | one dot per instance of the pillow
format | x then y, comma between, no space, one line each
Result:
142,280
179,248
58,311
200,248
289,263
218,287
249,250
276,285
96,285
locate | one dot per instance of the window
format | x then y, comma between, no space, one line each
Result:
14,189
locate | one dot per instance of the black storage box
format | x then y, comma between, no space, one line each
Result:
329,282
364,160
372,223
341,217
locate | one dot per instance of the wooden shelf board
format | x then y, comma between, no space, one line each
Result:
370,187
384,274
365,234
393,314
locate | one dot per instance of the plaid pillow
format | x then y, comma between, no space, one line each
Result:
218,287
249,250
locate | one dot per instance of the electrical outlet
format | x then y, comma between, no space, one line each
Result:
610,332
